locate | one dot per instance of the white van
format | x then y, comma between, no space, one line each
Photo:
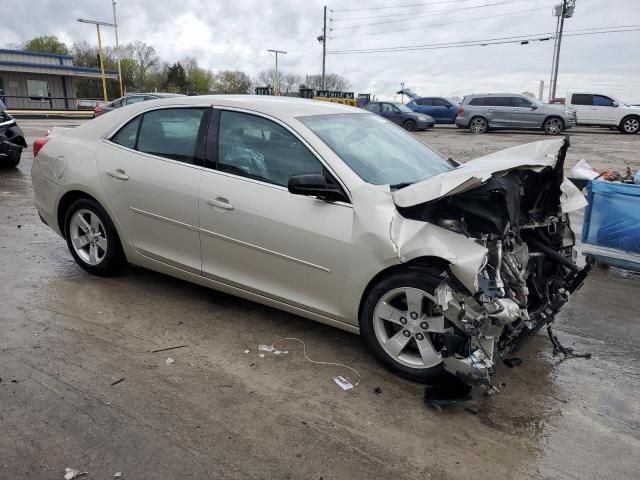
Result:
604,110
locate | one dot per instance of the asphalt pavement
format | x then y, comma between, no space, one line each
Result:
82,385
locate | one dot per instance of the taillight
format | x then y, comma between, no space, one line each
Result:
461,110
38,144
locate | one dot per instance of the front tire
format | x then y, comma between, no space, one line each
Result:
92,239
410,126
553,126
630,125
401,325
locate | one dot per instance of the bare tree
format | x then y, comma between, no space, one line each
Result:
333,81
146,57
232,81
290,83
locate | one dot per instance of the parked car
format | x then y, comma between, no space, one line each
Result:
604,111
401,115
325,211
480,113
11,139
130,100
442,110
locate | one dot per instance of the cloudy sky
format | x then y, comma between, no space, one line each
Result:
236,35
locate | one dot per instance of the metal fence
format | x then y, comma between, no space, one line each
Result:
18,102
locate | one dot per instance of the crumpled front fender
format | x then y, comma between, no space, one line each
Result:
413,239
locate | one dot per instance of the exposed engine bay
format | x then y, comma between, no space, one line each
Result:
528,274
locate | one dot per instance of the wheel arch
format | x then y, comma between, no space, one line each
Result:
432,264
66,201
627,117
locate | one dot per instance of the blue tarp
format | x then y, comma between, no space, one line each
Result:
612,218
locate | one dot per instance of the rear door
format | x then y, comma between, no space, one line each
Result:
254,233
582,103
150,173
424,105
498,111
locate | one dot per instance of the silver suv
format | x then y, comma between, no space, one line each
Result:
479,113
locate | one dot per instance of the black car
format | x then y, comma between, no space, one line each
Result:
402,115
11,139
130,99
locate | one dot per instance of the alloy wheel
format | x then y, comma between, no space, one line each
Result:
406,323
631,125
553,126
88,237
478,125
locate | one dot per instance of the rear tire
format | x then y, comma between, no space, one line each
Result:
478,125
553,126
410,126
92,238
630,125
392,320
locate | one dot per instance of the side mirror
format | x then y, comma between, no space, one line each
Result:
314,185
534,107
615,104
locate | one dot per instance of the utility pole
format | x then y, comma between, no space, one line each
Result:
276,87
324,45
565,10
115,22
97,24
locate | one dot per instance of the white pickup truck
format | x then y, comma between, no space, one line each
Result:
604,111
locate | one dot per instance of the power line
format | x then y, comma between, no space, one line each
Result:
430,14
523,39
474,19
423,4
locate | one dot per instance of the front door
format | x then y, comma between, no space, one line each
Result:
604,111
149,175
526,114
258,236
391,113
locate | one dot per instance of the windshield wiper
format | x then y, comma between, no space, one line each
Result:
398,186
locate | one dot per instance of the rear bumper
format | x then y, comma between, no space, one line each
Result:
46,196
462,122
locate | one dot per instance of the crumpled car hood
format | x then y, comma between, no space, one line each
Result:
533,156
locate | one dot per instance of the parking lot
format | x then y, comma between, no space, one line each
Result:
81,386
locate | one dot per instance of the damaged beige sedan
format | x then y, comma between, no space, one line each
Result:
325,211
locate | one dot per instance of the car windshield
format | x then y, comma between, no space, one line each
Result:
403,108
376,149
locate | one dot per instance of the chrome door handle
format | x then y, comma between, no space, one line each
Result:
220,202
119,174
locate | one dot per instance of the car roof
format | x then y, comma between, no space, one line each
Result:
494,95
287,109
156,94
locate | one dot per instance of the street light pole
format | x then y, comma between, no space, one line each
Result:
104,79
276,87
566,11
97,24
324,46
115,22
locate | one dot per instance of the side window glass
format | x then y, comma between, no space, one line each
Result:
254,147
602,101
438,102
581,99
171,133
373,107
478,102
427,102
386,108
523,102
134,99
127,134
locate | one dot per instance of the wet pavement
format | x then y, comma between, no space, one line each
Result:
218,412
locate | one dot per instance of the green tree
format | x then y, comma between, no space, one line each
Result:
176,78
46,44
